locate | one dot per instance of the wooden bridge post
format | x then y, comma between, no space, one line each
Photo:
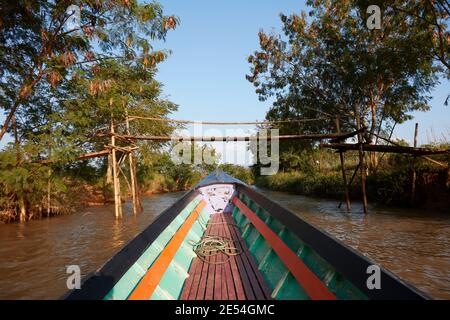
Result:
344,176
116,182
361,163
414,174
137,206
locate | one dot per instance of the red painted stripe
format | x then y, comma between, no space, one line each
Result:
305,277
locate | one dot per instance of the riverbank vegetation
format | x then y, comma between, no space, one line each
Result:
66,76
318,173
67,79
69,82
330,69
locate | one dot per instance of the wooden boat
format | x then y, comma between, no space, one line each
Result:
225,241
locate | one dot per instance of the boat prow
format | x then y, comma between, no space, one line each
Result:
225,241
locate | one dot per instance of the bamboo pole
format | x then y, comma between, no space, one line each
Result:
136,202
22,209
344,176
126,178
435,162
362,165
116,182
49,189
414,174
317,136
350,182
419,152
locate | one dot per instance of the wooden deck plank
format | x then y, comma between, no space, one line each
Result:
249,295
195,274
260,287
219,260
209,294
199,282
202,285
236,279
225,266
238,292
257,292
188,285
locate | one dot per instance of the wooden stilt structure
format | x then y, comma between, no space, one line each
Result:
49,189
335,142
49,184
22,209
344,176
116,182
418,152
414,175
137,207
362,165
350,182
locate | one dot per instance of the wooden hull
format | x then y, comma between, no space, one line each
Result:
225,241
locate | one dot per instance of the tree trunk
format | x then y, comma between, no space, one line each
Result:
373,157
22,208
344,176
414,174
361,163
25,91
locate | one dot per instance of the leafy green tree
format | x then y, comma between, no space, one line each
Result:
62,87
433,17
36,44
328,63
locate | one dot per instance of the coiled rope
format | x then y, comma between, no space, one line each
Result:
210,246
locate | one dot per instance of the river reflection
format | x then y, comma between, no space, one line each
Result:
34,256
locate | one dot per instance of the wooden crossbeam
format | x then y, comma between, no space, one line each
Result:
85,156
383,148
318,136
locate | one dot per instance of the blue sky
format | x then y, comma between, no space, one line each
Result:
205,75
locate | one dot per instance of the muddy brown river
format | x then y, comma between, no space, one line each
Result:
415,245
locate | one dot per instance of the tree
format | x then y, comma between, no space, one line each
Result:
36,43
433,17
75,81
331,64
